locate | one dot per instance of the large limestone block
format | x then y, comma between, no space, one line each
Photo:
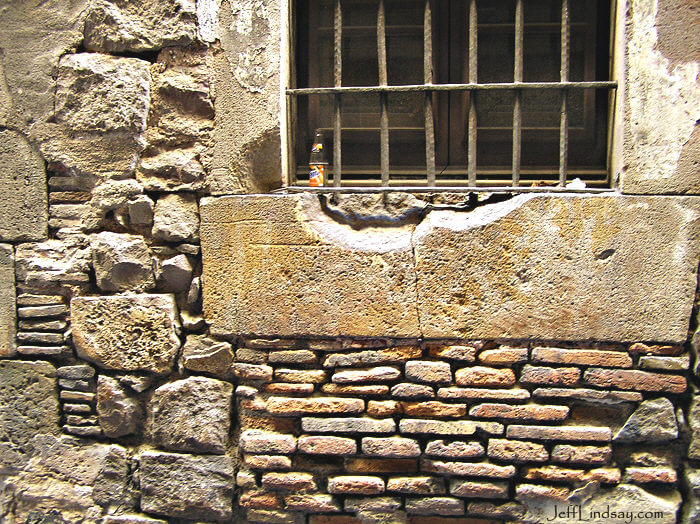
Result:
560,267
186,486
24,213
571,267
117,25
101,107
279,265
29,403
128,332
7,301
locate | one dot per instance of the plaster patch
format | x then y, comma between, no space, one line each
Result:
208,19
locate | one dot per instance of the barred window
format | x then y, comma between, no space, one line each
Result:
453,92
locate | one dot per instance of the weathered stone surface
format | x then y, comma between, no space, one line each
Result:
176,218
634,379
378,356
301,376
98,131
364,286
383,408
660,133
292,481
665,363
691,482
318,503
121,262
517,451
492,251
427,371
119,414
589,395
192,414
455,449
653,421
503,356
348,425
129,333
324,445
356,485
114,26
396,447
484,376
268,462
465,353
186,486
412,391
24,216
550,376
175,274
594,455
435,506
302,406
433,408
643,475
256,441
377,374
30,402
203,354
374,504
559,432
484,394
453,427
374,466
300,356
141,211
7,300
587,357
527,412
474,489
72,475
416,485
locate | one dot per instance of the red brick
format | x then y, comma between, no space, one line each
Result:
260,500
464,353
560,432
326,445
304,406
416,485
655,350
526,412
383,408
345,389
525,491
549,376
292,481
467,469
301,376
479,489
584,357
288,388
516,451
484,376
634,379
376,374
428,371
394,447
593,455
369,465
267,462
355,485
252,372
503,356
256,441
647,475
456,449
316,503
555,474
483,394
433,408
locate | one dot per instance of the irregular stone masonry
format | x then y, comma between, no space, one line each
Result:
424,429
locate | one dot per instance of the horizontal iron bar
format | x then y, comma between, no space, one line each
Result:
440,189
611,84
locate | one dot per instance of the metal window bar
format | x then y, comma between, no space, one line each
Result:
517,94
428,80
337,80
473,79
472,86
383,97
564,112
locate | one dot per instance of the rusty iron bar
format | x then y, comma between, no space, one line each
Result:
500,86
564,110
517,94
383,97
428,102
338,82
473,79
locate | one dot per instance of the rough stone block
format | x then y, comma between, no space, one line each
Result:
383,408
653,421
484,376
192,414
503,356
114,27
186,486
122,262
372,504
390,447
256,441
481,490
412,391
355,485
176,218
464,353
467,469
203,354
549,376
325,445
127,333
268,462
292,481
7,298
455,427
433,408
30,402
303,376
633,379
379,356
593,455
435,506
317,503
455,449
22,176
517,451
416,485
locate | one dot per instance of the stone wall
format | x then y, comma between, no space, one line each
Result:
178,349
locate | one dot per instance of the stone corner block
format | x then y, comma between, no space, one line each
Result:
127,332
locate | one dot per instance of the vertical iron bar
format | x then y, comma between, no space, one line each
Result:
564,77
517,102
473,79
338,81
383,97
428,79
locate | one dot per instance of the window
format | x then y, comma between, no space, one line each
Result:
453,92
